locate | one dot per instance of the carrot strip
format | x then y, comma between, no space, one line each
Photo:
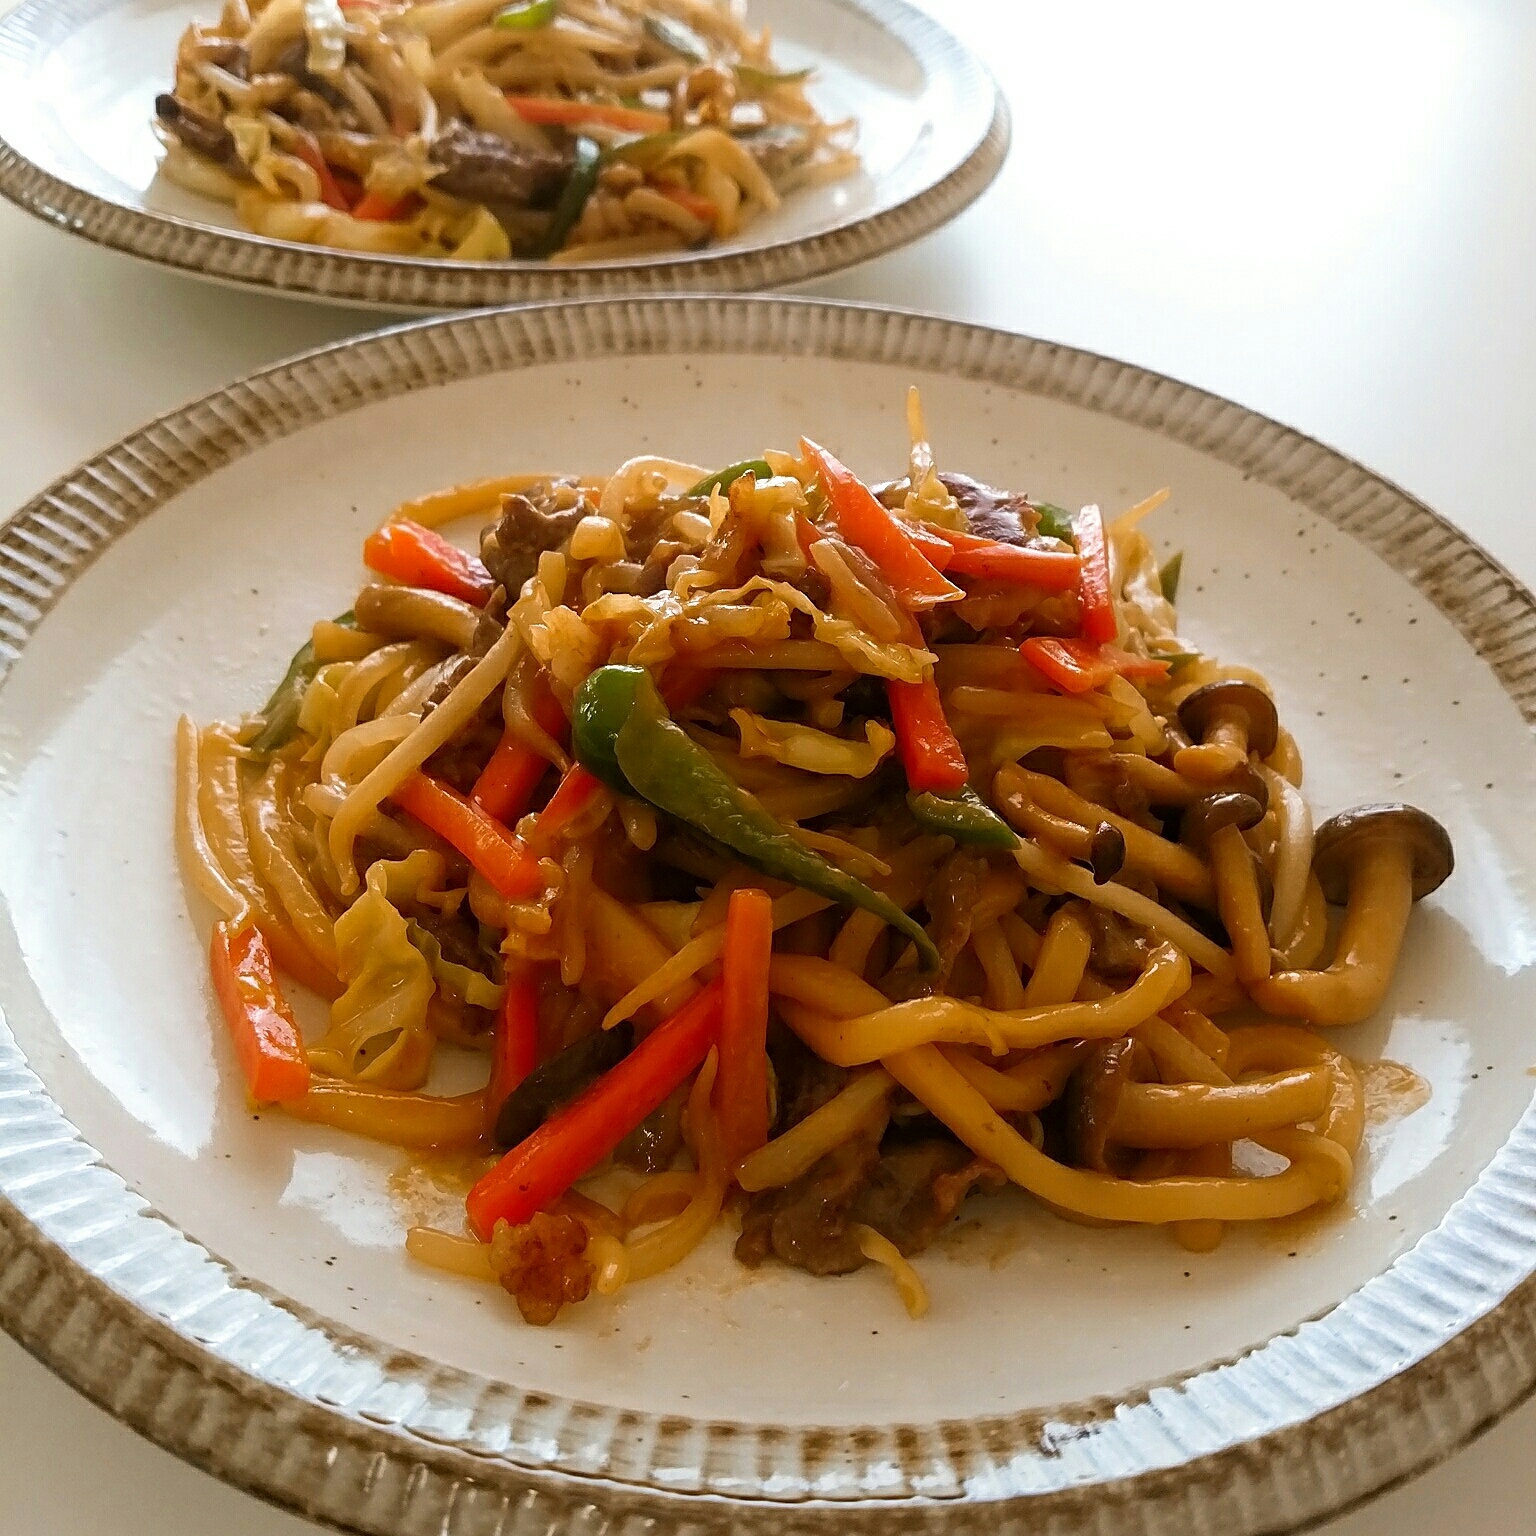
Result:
557,111
574,795
407,552
879,533
1075,666
1054,570
741,1085
1099,622
926,745
261,1024
507,862
507,782
576,1138
515,1051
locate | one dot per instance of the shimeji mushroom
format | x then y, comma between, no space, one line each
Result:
1378,860
1226,721
1215,826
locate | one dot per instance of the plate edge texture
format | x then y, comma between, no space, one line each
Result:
289,1406
416,284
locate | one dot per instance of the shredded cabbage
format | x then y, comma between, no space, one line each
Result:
460,981
379,1032
802,746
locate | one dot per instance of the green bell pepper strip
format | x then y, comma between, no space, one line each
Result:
1055,522
280,713
621,732
724,479
964,816
1168,577
585,164
677,36
526,16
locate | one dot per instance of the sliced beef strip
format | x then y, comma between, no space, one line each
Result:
806,1223
201,134
908,1194
511,546
482,168
993,514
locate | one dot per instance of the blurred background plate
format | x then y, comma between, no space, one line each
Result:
78,81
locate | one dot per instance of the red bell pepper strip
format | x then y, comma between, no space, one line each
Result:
405,551
1053,570
515,1047
305,147
741,1086
1075,666
375,208
261,1024
576,1138
556,111
924,742
506,861
879,533
1099,622
507,782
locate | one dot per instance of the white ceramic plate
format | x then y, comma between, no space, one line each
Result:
1067,1378
78,81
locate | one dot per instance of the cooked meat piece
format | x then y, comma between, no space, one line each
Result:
511,546
777,148
461,761
805,1081
951,901
1119,946
918,1187
651,1146
806,1223
198,133
908,1195
493,620
484,169
294,61
543,1264
991,513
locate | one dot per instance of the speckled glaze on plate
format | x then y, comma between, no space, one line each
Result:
233,1286
78,80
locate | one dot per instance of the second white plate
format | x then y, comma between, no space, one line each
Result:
78,80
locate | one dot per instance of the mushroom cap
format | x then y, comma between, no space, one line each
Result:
1200,709
1209,814
1093,1100
1340,837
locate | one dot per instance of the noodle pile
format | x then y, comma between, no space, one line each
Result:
914,789
482,130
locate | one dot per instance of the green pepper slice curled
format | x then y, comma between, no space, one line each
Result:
280,714
586,161
724,479
964,816
1055,522
649,755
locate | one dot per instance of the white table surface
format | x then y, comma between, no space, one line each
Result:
1324,210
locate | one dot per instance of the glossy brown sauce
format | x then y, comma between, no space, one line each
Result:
1392,1091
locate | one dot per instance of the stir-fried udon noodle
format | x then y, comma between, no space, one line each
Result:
799,852
578,130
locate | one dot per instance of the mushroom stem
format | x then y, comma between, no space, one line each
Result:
1237,900
1310,933
1375,919
1174,869
1223,751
